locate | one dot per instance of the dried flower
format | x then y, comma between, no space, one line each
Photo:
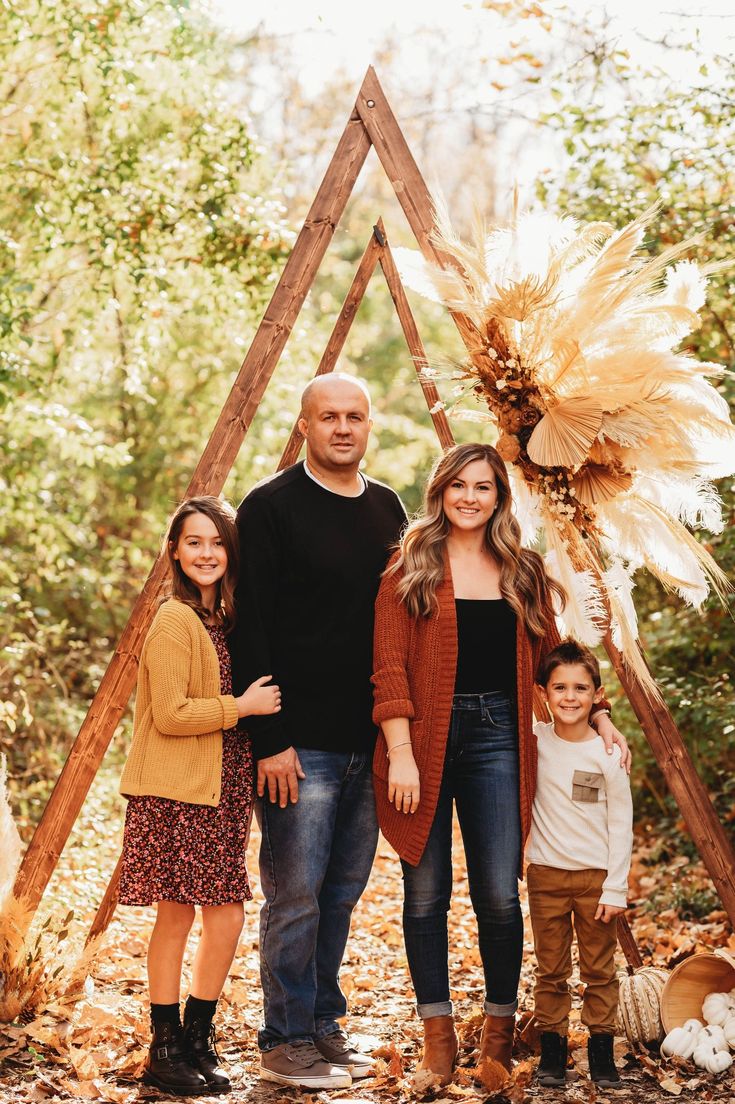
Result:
529,416
508,447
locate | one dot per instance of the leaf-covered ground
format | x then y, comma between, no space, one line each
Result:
94,1050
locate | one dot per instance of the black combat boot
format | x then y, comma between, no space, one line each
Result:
201,1051
168,1067
553,1065
602,1063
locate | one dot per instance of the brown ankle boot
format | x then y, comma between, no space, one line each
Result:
496,1041
440,1047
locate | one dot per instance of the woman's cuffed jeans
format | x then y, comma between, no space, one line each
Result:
481,776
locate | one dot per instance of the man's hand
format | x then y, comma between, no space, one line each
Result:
611,736
606,913
280,773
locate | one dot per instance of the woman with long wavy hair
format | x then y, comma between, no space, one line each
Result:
463,618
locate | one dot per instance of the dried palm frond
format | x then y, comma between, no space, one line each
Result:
612,437
564,436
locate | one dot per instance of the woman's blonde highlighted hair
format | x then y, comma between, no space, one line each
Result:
523,579
223,516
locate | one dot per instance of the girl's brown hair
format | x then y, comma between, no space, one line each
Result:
223,516
523,579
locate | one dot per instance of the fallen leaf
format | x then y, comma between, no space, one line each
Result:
84,1064
422,1080
492,1075
81,1090
669,1085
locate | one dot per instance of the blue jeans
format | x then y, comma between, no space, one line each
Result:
315,860
481,775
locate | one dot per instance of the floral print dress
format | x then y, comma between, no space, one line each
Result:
193,854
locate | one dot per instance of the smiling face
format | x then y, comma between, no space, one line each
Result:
571,693
336,423
471,497
201,554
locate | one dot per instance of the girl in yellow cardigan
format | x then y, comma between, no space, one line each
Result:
188,779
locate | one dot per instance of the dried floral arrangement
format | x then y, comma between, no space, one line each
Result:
612,437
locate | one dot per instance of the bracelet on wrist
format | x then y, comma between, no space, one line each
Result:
404,743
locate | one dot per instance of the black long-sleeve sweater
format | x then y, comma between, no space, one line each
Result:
311,562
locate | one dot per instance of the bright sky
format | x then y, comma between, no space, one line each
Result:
324,37
337,33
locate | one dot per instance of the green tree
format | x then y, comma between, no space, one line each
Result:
140,238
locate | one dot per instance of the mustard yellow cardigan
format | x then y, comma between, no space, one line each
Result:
179,712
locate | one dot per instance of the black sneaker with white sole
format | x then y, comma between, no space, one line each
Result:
302,1065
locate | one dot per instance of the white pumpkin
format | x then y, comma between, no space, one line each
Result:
713,1034
682,1040
729,1028
716,1007
708,1057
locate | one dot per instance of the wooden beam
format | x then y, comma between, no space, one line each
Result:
107,907
413,340
408,183
628,945
209,476
690,793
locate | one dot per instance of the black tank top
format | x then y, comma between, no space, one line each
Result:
486,636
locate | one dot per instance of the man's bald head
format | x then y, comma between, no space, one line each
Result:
331,385
335,421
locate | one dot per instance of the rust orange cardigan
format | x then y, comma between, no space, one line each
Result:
414,663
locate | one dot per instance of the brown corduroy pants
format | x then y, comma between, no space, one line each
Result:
555,897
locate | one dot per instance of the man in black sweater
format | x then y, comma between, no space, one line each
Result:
314,542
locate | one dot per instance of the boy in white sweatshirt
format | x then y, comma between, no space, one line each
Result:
579,853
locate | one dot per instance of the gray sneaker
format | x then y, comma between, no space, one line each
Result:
301,1064
338,1050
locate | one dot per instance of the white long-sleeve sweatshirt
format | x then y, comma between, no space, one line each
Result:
582,812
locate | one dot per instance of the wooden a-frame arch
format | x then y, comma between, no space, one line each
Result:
372,122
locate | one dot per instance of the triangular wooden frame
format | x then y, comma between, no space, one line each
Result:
372,122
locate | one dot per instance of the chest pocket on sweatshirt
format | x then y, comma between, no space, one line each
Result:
588,786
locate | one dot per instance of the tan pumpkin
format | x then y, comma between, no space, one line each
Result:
639,1004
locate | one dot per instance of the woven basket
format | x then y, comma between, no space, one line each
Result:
639,1004
690,982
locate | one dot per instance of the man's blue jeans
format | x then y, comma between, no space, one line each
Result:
315,860
481,775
